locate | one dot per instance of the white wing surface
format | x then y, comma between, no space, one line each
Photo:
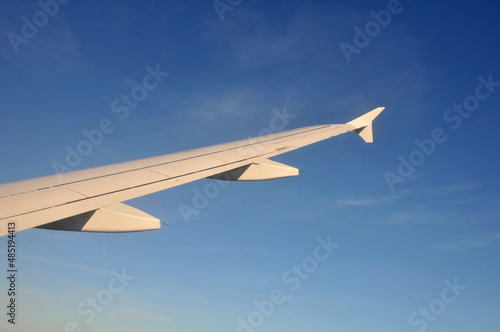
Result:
90,200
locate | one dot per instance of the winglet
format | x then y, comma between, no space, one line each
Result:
363,124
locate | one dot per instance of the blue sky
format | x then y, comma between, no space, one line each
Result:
399,244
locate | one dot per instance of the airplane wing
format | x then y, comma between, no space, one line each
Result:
90,200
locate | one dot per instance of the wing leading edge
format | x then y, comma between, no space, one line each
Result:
90,198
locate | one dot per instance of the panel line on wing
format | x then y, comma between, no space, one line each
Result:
178,160
128,188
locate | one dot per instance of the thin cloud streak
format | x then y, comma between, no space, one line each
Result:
470,242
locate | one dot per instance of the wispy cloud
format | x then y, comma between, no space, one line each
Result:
370,201
475,319
222,111
55,51
253,42
470,242
226,250
400,218
453,188
237,103
61,262
435,204
131,313
335,299
421,214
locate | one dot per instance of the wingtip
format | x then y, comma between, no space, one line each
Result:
363,124
366,119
